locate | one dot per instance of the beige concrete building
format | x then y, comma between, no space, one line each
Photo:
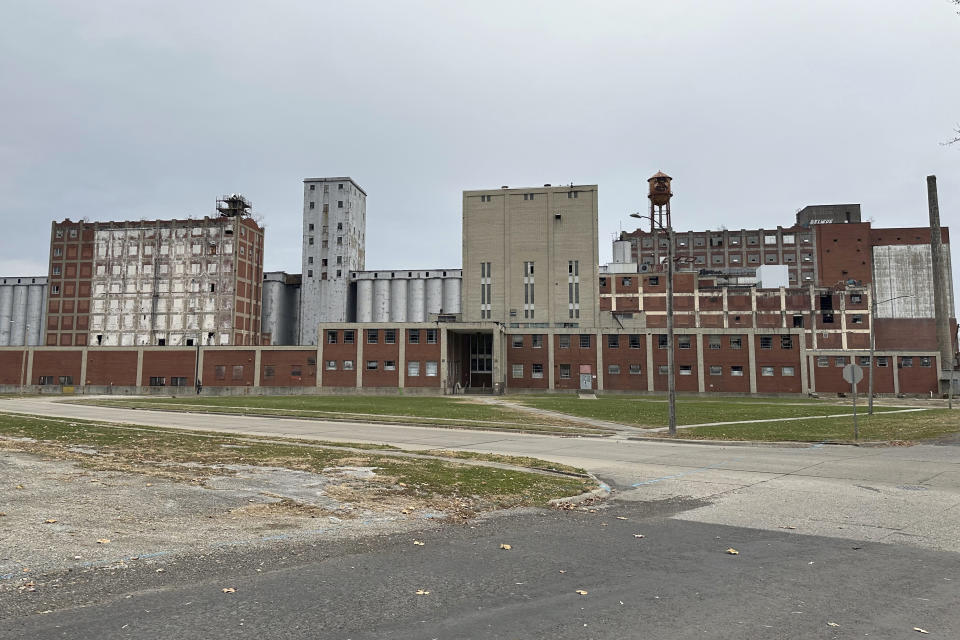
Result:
530,256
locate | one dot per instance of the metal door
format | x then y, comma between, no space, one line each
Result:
586,381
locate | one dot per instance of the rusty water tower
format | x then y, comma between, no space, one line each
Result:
660,194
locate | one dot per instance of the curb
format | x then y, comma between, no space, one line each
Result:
792,444
600,492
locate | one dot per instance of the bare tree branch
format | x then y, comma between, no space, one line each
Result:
956,139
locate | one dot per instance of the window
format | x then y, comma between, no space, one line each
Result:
925,361
766,371
332,365
634,369
389,336
348,336
662,341
413,336
432,368
881,361
339,204
563,341
654,280
339,226
536,370
683,342
736,342
634,341
906,361
59,234
269,371
613,341
47,379
716,370
313,187
220,372
864,361
373,335
584,340
238,372
313,205
840,361
413,368
766,342
714,342
787,371
662,369
823,361
736,371
564,372
856,318
56,271
331,337
158,381
57,252
528,196
309,273
855,298
573,194
798,321
432,336
372,365
517,371
786,342
516,341
484,198
348,365
686,370
389,365
613,369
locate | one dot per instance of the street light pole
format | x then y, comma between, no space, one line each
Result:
671,382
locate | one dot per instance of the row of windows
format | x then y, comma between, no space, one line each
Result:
536,370
389,336
864,361
769,239
430,367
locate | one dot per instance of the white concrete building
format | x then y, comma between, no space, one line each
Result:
334,235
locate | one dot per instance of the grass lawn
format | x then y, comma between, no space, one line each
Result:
645,411
151,451
918,425
437,411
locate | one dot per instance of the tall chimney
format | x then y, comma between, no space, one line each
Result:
940,295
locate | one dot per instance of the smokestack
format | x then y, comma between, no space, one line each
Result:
940,295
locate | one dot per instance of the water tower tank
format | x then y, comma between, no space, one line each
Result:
660,192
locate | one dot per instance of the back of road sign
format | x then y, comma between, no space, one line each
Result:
853,373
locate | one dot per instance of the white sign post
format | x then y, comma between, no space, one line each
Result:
854,374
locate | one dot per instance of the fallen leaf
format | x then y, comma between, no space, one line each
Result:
832,624
49,520
638,535
19,486
919,630
733,551
228,590
506,547
149,484
405,511
160,570
421,592
621,518
787,526
562,571
582,592
418,543
103,541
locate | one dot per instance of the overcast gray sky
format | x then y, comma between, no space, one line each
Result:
122,109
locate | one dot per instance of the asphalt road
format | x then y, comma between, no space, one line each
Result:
862,538
677,582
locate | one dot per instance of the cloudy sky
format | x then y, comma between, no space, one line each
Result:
128,109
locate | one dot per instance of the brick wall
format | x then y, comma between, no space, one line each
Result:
117,368
288,368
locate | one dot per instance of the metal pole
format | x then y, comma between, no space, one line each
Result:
196,367
873,319
671,383
856,429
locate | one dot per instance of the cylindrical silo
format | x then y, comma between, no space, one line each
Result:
364,300
416,300
398,300
6,313
451,295
270,315
434,295
18,328
621,252
381,301
35,301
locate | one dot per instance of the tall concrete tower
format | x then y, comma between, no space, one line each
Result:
334,236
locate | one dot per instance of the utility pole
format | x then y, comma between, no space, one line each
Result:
671,382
